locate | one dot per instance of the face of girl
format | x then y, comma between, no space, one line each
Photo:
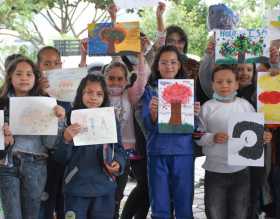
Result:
93,95
116,77
245,74
49,60
174,39
23,79
225,82
168,65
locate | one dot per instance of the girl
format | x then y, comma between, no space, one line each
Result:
226,187
89,192
168,154
23,168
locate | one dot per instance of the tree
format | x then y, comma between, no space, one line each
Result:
176,95
240,46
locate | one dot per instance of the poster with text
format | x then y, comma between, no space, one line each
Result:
245,144
98,126
176,106
118,39
241,46
126,4
63,83
268,97
33,116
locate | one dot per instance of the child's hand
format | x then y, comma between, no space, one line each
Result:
160,9
196,108
113,12
44,83
8,137
83,50
220,138
274,71
71,131
59,112
267,137
211,48
113,168
144,43
274,55
154,108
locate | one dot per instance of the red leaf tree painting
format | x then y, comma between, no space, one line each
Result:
176,94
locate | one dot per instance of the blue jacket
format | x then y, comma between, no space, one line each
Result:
162,144
84,175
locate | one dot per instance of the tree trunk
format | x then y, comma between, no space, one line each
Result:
175,118
111,46
241,58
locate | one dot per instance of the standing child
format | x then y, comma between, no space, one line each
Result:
24,171
89,192
226,187
170,156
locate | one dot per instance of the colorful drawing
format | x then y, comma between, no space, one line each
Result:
136,3
241,46
109,39
176,98
64,82
268,97
273,24
98,126
33,116
245,144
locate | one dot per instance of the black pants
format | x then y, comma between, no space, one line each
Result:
137,204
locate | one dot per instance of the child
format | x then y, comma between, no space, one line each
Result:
170,160
226,187
89,192
24,170
48,58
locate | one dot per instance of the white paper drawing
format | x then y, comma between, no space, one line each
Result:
125,4
64,82
98,126
2,144
33,116
245,144
273,24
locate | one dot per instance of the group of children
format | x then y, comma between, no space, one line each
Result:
40,175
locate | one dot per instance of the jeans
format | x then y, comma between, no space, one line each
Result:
170,177
21,190
137,204
101,207
227,194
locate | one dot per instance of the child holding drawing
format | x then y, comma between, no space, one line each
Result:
226,186
89,191
48,58
23,172
170,156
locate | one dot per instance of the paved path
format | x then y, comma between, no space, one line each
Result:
198,205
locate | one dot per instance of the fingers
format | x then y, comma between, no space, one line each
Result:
71,131
59,112
220,138
267,137
113,168
197,108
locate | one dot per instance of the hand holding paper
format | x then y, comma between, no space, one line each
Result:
8,137
59,112
71,131
220,138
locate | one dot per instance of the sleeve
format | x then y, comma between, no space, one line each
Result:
205,74
145,111
136,91
207,139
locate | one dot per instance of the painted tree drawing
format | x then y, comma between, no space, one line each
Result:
113,39
175,106
112,36
244,46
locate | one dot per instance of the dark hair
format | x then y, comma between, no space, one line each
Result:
8,87
10,58
232,68
78,102
44,49
112,65
176,29
155,75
